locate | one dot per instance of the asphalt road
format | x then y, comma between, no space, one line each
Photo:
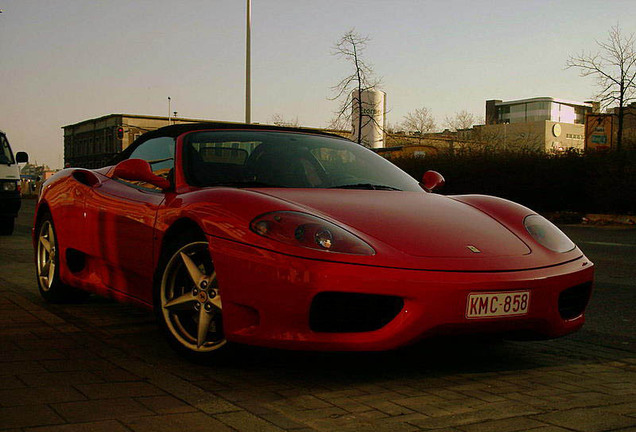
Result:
99,365
611,316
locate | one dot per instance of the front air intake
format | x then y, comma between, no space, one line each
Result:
337,312
572,301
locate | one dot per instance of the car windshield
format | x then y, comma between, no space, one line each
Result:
247,158
6,156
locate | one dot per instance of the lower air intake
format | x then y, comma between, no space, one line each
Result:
336,312
572,301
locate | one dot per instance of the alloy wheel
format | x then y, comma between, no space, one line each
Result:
46,255
190,299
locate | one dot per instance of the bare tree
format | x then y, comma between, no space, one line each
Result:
351,48
614,68
278,120
461,120
419,121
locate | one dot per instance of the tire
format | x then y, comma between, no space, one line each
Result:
47,265
6,225
188,302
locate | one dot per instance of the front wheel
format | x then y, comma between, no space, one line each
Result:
47,263
188,302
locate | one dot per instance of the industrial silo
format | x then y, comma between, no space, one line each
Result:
371,123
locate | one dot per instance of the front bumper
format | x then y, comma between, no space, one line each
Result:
267,298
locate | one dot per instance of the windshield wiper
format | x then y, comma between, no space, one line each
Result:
369,186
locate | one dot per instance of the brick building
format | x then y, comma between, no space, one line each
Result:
93,143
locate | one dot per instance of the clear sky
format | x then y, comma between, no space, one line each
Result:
64,61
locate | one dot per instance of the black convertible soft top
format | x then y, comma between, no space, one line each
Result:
178,129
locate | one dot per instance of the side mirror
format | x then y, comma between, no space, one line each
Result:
21,157
139,170
432,180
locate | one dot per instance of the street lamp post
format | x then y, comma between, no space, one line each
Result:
248,108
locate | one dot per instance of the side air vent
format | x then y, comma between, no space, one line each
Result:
75,260
86,177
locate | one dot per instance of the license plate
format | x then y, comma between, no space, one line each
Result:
497,304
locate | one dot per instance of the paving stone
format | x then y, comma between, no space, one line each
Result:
283,421
25,416
339,394
29,355
417,403
446,394
505,425
165,404
587,399
87,411
115,374
628,409
548,429
619,388
493,411
22,367
307,416
389,408
76,364
382,396
102,426
351,405
256,407
191,422
482,395
212,404
10,382
246,422
119,390
307,402
354,424
177,387
460,406
39,395
587,419
59,378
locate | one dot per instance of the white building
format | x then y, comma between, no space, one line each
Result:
541,123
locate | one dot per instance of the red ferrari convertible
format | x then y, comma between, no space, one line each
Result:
298,239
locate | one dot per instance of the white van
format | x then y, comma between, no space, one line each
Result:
9,185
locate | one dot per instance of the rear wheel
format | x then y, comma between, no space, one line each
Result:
188,301
47,266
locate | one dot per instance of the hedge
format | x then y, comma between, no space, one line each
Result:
570,182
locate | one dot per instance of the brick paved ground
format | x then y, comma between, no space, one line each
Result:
101,366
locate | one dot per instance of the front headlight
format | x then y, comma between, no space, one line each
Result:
301,229
9,186
547,235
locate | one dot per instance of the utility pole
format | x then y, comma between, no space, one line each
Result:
248,91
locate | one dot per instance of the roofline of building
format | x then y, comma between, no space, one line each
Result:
150,117
545,99
191,120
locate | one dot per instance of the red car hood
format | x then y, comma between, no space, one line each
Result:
417,224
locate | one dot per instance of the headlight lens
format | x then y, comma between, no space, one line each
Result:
547,235
301,229
9,186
